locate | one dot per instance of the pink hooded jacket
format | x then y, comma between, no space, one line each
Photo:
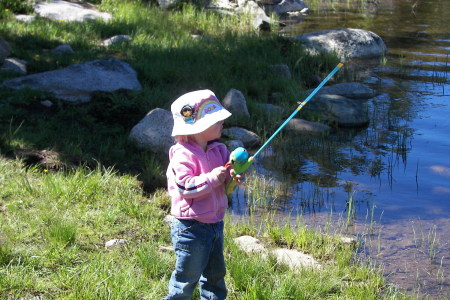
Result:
197,193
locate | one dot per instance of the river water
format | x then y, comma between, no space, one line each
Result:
389,183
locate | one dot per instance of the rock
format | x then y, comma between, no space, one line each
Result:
286,6
233,144
260,20
248,138
15,65
47,103
294,259
115,242
63,49
168,219
347,43
273,110
282,71
166,248
348,240
235,102
59,10
312,81
154,131
274,97
250,244
116,40
351,90
25,18
268,2
39,297
300,125
5,50
166,4
223,5
335,109
77,82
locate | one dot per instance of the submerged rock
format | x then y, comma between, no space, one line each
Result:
338,110
353,90
304,126
342,104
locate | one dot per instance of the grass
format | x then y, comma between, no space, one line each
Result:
70,181
55,224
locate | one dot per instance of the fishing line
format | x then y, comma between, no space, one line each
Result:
301,104
239,159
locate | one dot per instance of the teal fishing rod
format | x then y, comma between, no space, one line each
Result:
239,159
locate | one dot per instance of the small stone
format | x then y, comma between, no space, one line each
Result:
348,240
47,103
166,248
115,242
25,18
63,49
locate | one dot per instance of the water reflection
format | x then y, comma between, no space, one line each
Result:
394,174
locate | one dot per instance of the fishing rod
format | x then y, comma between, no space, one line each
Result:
239,159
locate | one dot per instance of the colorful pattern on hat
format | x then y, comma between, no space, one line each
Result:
207,106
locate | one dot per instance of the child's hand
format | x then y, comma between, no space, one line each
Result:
221,173
238,178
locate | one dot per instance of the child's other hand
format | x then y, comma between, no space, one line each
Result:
221,173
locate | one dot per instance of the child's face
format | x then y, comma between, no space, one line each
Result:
212,133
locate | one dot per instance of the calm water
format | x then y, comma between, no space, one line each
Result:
396,172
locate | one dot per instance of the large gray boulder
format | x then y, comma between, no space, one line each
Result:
247,137
346,43
235,102
342,111
77,82
154,131
67,11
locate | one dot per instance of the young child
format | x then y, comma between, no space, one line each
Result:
196,179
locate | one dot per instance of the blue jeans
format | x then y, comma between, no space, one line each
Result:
199,258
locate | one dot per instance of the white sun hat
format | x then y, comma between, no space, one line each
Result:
196,111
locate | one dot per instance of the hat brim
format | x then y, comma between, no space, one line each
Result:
180,127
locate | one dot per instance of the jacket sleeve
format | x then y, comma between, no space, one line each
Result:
189,179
